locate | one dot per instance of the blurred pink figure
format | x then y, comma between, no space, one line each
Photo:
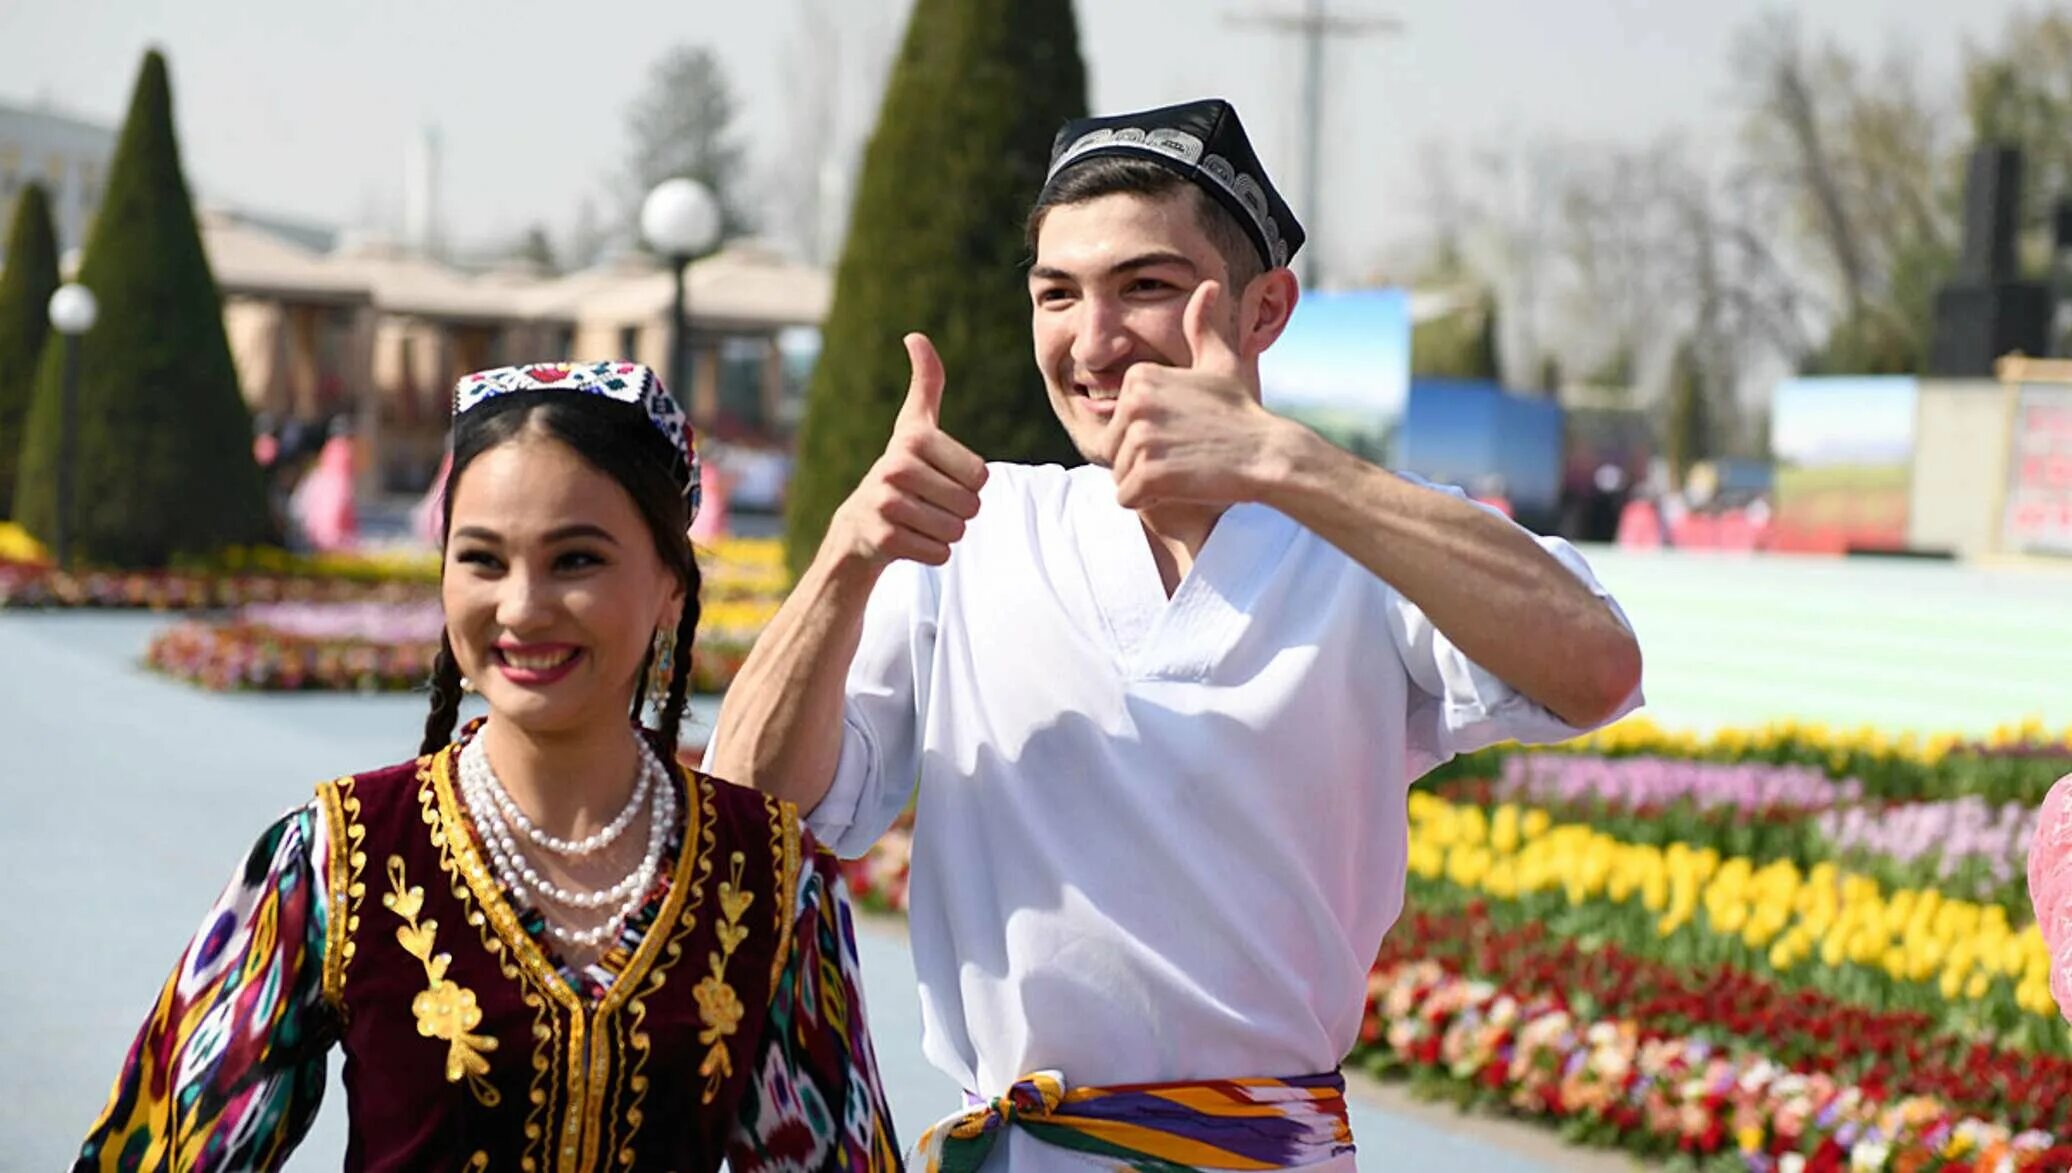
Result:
2050,887
1640,525
322,504
711,523
427,519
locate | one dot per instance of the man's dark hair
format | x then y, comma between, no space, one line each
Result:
1109,175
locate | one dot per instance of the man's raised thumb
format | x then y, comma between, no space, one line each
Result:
924,392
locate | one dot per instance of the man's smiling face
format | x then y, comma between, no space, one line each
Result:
1108,290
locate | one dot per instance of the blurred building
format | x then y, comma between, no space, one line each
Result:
376,334
67,155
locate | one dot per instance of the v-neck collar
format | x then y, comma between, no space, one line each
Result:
1183,637
535,953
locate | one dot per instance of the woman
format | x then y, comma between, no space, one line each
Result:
542,944
326,518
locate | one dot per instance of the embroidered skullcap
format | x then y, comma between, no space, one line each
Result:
1205,144
625,382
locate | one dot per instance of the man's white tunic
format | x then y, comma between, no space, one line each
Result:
1156,839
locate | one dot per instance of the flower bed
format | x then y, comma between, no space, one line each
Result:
1804,1029
1975,969
1607,1082
29,585
1964,847
2016,763
746,569
371,647
1645,785
1967,846
239,656
1731,962
733,570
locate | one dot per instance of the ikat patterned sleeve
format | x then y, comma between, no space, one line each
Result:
817,1103
228,1070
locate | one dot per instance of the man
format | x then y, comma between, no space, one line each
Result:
1164,708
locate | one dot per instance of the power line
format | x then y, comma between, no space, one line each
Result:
1314,25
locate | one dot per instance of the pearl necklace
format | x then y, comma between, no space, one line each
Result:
514,816
516,873
481,789
517,868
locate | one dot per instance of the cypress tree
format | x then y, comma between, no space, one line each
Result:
26,284
936,244
1687,427
163,464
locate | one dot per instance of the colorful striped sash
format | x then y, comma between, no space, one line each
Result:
1211,1124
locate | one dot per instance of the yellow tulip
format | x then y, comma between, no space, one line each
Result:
1952,984
1833,951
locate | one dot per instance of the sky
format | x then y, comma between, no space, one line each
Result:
309,110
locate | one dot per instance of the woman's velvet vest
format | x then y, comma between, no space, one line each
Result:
464,1049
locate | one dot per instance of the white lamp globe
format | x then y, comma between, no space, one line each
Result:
680,218
73,309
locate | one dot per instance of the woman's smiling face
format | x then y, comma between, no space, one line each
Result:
552,587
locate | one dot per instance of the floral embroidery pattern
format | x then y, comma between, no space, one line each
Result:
344,864
444,1010
718,1005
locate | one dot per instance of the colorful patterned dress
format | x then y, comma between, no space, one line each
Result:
726,1023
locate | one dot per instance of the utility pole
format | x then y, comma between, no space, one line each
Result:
1314,25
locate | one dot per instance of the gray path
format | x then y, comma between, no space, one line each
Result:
128,800
1929,646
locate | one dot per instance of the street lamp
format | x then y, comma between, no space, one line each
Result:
680,220
72,313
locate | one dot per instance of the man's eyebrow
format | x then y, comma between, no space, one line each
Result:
1141,261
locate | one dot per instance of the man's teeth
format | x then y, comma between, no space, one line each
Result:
537,663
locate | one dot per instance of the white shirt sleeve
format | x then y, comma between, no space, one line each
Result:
1456,705
882,716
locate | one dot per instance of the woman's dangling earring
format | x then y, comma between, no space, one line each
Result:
661,667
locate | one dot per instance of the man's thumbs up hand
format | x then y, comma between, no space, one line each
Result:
914,502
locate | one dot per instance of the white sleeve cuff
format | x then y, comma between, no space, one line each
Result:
834,820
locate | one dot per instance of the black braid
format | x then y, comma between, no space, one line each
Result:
446,694
670,727
640,686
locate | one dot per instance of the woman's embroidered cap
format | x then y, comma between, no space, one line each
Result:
626,382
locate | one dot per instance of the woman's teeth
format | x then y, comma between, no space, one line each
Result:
538,662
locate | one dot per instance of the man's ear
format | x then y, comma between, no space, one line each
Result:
1263,312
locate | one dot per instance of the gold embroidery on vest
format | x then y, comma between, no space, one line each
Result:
688,886
444,1009
539,1115
582,1113
718,1006
608,1073
346,862
784,845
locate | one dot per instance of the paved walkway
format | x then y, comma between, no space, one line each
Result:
1900,644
